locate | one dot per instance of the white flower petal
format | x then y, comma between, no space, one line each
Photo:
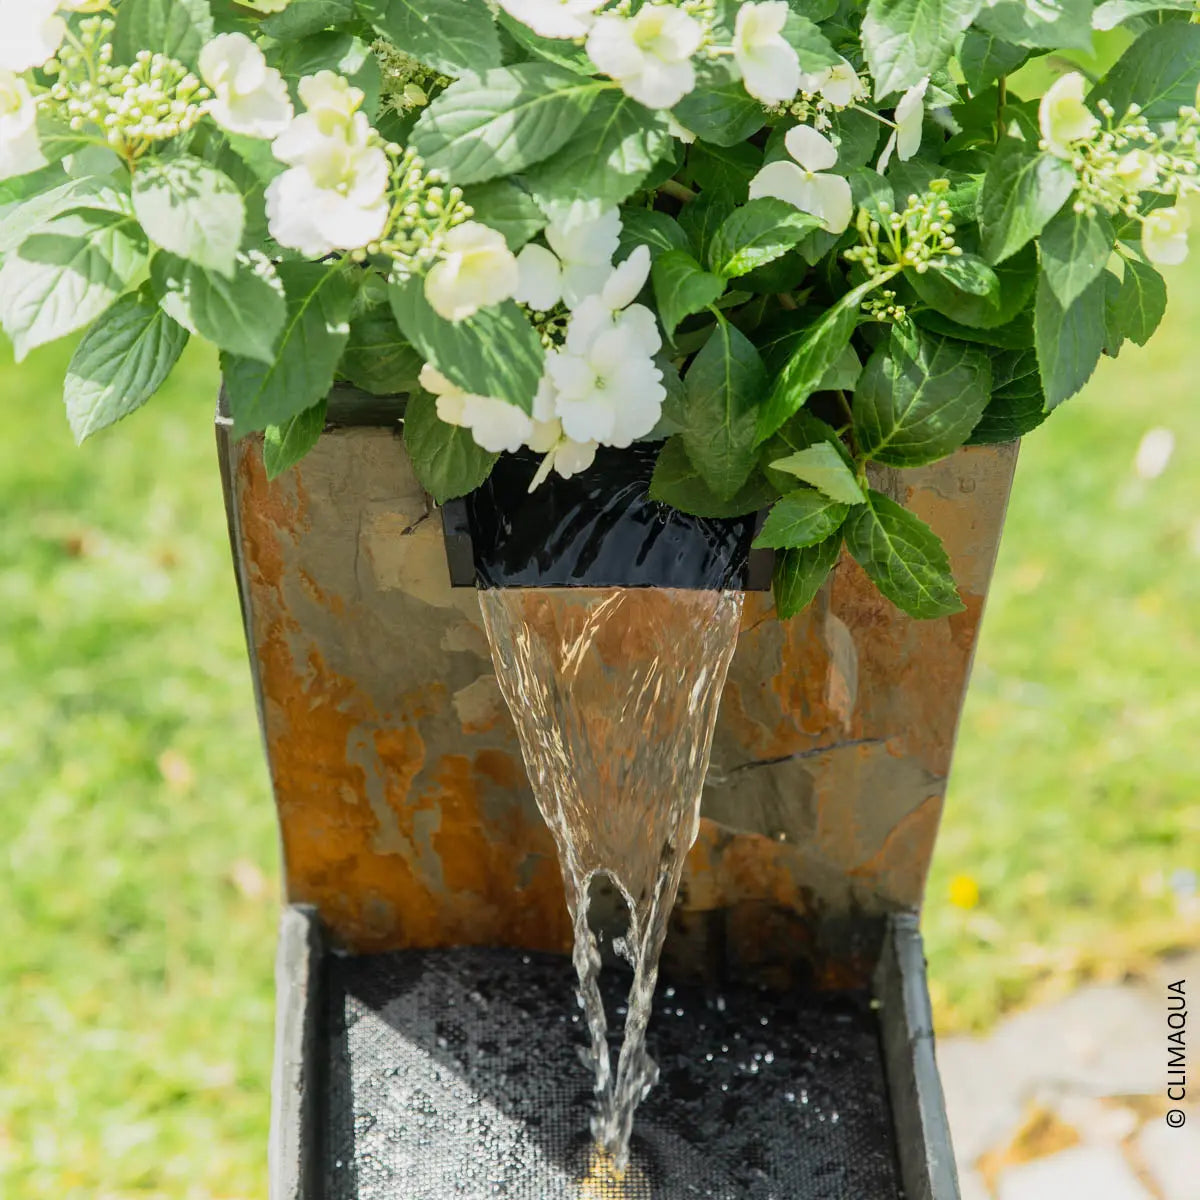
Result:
289,203
841,85
785,181
835,201
496,425
554,18
622,286
30,33
1165,235
476,270
910,117
812,150
539,278
1063,117
249,97
20,149
769,66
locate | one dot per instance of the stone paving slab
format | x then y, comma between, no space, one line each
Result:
1091,1172
1065,1101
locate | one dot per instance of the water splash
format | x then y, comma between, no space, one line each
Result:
614,692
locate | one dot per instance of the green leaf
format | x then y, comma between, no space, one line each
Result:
494,353
1074,249
907,40
726,169
718,109
757,233
919,397
284,445
903,557
701,218
243,314
302,17
799,574
446,458
802,374
101,193
822,466
812,47
452,36
648,227
1017,404
1023,189
319,298
609,155
1112,13
682,287
377,357
176,28
66,274
120,363
1009,289
984,58
1069,340
335,50
677,482
191,209
801,518
799,433
1058,24
1137,303
723,386
508,208
503,121
1157,72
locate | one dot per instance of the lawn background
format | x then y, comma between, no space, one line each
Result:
138,865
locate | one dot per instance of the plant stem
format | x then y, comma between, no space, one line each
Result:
676,190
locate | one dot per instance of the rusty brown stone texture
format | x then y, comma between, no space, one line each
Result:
405,814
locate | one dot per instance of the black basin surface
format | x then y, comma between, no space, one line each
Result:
456,1073
599,528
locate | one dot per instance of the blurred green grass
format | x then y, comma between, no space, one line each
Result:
139,875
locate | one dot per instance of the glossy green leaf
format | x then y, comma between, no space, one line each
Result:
286,444
1017,404
503,121
66,273
756,233
120,363
496,352
319,298
452,36
446,459
801,518
1074,248
176,28
906,41
723,386
919,397
799,574
1158,72
193,210
1023,189
822,466
903,557
1069,339
682,287
677,482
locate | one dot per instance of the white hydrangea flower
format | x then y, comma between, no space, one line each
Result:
20,150
839,84
335,197
607,386
1063,117
554,18
905,140
576,265
804,182
1137,170
1165,235
495,425
31,32
648,54
476,269
562,454
678,130
770,68
610,393
249,97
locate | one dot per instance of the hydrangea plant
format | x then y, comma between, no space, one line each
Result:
787,238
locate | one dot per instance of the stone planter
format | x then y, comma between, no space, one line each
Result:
407,823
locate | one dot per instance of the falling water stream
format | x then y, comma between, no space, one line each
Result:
615,692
